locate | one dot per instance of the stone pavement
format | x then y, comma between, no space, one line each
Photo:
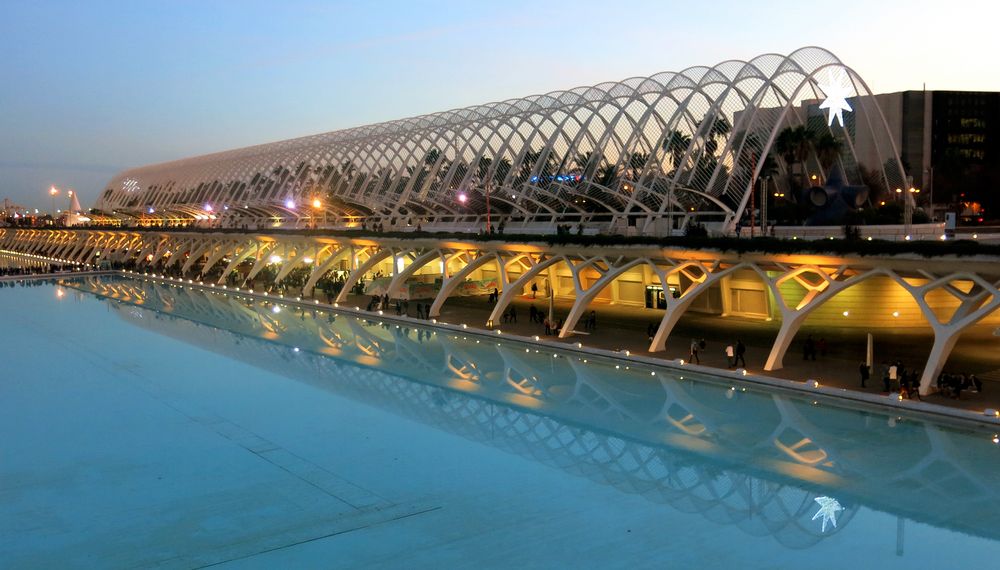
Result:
624,328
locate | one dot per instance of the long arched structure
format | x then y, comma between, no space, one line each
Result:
651,153
949,297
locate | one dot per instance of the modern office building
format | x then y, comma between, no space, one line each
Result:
641,155
949,143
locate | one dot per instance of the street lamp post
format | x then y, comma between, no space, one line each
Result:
909,197
53,191
486,188
316,204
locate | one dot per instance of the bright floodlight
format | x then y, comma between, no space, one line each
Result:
290,204
317,203
463,198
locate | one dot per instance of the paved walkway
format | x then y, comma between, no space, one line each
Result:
624,328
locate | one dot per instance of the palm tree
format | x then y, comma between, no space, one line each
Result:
720,128
528,163
793,144
503,167
607,174
483,167
828,149
636,163
676,143
432,157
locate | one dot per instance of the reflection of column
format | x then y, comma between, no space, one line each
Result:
899,535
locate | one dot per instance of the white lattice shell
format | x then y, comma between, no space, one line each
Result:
645,147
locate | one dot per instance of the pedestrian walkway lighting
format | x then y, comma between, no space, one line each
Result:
812,383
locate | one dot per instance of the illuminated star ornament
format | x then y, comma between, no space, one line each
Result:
836,97
828,509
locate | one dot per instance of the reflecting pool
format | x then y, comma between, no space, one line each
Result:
162,424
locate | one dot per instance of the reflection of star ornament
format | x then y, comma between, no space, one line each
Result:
828,508
836,98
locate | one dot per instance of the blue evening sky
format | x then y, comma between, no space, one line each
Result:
90,88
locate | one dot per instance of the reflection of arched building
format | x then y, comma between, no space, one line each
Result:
645,153
754,459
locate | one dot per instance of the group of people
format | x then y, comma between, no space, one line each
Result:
735,352
952,385
895,378
810,347
510,315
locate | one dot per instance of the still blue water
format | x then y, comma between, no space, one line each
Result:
147,423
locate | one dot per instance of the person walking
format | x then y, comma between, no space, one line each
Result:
592,321
864,371
741,351
693,353
534,290
730,355
809,349
513,314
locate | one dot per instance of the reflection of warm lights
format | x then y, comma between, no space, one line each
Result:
60,293
275,309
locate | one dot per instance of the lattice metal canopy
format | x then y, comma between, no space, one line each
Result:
650,152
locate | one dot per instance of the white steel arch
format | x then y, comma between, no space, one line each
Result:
673,146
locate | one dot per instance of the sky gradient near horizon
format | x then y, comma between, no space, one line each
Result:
89,89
